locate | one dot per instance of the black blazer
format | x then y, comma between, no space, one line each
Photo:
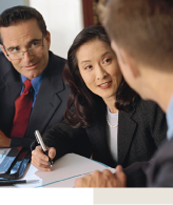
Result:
140,132
50,102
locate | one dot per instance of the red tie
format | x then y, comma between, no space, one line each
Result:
23,105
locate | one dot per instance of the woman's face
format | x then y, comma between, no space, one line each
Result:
99,68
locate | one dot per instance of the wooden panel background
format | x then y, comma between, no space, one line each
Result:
89,12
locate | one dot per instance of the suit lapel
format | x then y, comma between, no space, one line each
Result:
126,129
45,106
47,99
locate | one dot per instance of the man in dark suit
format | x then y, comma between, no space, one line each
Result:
25,44
141,35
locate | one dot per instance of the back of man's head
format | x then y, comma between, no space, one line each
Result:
143,28
18,14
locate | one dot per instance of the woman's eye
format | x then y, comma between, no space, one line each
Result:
88,67
107,60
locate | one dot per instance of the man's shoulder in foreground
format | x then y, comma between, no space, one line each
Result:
159,172
155,173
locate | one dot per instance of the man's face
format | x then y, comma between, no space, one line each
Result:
124,67
132,74
21,37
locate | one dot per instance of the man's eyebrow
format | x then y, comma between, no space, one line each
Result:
11,48
29,43
34,40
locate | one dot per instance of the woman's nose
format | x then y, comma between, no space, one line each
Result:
100,73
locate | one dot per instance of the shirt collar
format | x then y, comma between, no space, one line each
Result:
169,118
36,82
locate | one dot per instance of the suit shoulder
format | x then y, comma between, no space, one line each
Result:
4,64
2,58
56,59
56,64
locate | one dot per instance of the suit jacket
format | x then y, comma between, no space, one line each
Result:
50,101
140,132
155,173
159,170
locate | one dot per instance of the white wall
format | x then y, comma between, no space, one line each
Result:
64,19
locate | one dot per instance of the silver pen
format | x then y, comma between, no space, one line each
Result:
11,182
40,141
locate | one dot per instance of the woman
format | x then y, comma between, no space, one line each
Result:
105,118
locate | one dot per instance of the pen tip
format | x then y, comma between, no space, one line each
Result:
32,181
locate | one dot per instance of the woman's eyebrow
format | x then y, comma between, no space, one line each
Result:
104,54
85,61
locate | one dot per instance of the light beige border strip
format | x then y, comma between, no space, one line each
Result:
133,196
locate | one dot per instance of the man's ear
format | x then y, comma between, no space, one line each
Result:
125,61
130,61
3,50
48,39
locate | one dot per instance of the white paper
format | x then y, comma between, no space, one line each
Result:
64,172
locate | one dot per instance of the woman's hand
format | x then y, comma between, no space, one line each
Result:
40,160
4,140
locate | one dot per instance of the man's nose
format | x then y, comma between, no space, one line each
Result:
27,56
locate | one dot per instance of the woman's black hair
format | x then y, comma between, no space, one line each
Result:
82,103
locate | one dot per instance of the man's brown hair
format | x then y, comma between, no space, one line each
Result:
143,28
18,14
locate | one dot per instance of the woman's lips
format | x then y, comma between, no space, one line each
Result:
105,85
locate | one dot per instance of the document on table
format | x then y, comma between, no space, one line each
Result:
64,172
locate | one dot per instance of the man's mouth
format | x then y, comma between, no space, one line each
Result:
30,67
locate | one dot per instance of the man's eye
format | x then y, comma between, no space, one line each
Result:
14,50
34,44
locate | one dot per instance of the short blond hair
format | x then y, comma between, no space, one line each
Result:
143,28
